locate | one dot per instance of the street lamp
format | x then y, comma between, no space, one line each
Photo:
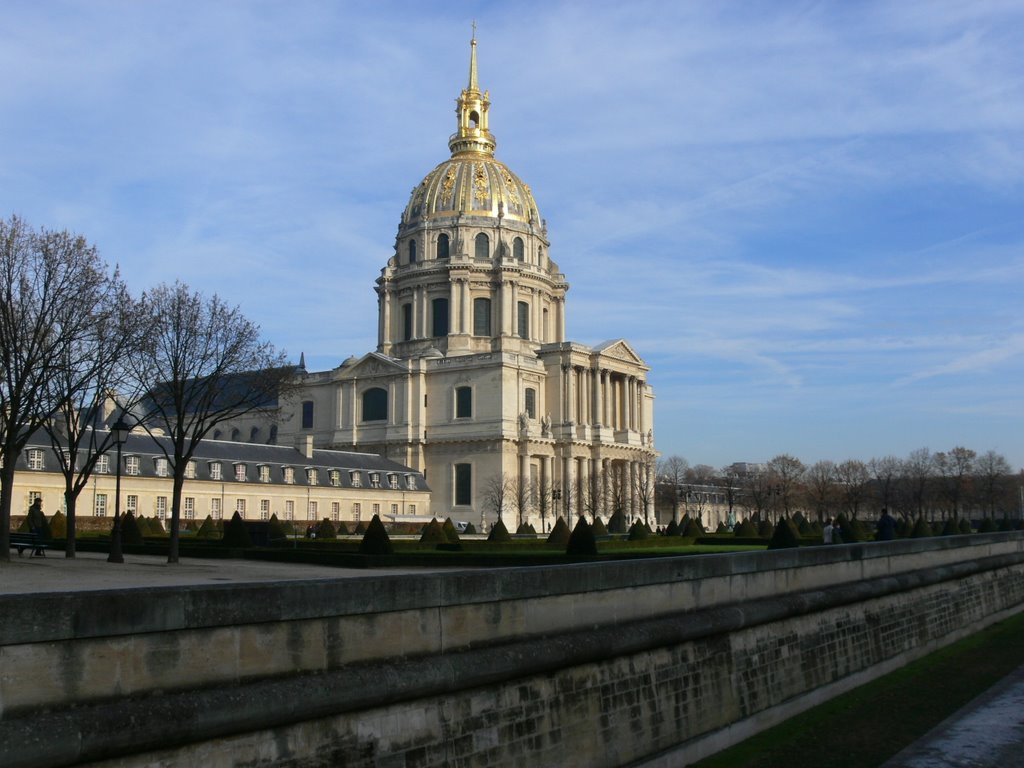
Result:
119,432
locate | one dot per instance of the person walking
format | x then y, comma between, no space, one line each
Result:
885,529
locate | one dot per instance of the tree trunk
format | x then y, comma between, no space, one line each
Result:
70,503
179,483
6,497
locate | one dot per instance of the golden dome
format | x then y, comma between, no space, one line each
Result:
472,182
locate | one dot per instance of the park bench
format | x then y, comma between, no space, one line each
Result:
23,541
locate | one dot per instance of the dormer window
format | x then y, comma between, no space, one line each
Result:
216,471
190,470
102,464
240,472
312,476
410,482
264,473
131,465
393,481
375,479
356,478
35,459
160,466
289,474
335,478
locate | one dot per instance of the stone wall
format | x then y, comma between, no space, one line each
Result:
648,663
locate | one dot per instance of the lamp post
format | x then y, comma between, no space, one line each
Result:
119,431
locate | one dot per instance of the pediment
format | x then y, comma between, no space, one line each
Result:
373,364
619,349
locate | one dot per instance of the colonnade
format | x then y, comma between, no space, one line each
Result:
601,397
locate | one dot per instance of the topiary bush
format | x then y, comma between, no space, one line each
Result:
560,533
59,525
692,530
638,531
617,523
723,528
598,528
470,529
581,541
1006,524
499,532
130,533
951,527
525,529
341,529
965,525
375,539
362,528
988,525
208,530
785,535
765,529
850,531
672,529
433,533
921,529
275,530
804,527
746,530
450,533
236,535
326,530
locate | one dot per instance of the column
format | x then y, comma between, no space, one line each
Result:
421,291
602,393
453,307
514,309
560,305
598,412
632,489
506,311
467,310
571,404
568,490
641,422
605,501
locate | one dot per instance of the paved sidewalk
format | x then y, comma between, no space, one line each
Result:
91,571
986,733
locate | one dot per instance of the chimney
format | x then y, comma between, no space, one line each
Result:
304,445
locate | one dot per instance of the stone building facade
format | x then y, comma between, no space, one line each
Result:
473,381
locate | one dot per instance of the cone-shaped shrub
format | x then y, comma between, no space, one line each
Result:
207,530
848,530
362,528
599,528
341,529
617,523
524,529
804,526
450,533
59,525
275,530
499,532
746,530
965,525
785,535
375,539
1004,525
765,529
921,529
816,530
637,531
672,529
433,533
236,535
470,528
988,525
693,529
326,530
951,527
723,528
798,520
559,533
157,527
581,541
130,533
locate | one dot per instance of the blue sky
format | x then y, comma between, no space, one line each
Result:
808,217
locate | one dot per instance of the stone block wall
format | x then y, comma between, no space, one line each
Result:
456,668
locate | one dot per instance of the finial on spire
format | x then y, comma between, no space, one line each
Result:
473,86
473,135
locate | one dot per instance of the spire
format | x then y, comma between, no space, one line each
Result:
473,137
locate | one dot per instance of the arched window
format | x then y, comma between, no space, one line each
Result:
440,313
236,435
412,251
483,246
375,404
517,249
442,246
481,317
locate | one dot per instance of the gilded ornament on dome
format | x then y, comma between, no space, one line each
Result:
481,188
447,185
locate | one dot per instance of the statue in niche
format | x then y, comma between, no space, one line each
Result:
524,423
650,437
545,425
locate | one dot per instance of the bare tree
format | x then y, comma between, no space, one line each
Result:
592,495
955,469
786,472
519,492
84,386
918,470
853,478
672,476
49,285
886,472
497,493
821,488
543,492
643,486
993,471
205,363
730,483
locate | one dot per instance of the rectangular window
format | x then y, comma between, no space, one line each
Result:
406,322
312,476
412,509
481,317
161,507
440,316
463,402
311,511
410,482
394,509
335,510
375,479
35,459
357,510
307,414
189,507
264,509
240,472
289,510
357,478
393,482
240,507
531,402
190,470
100,510
264,473
131,504
216,472
131,465
161,467
335,478
463,484
102,464
215,510
376,509
523,325
289,474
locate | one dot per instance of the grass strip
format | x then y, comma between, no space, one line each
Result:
870,724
